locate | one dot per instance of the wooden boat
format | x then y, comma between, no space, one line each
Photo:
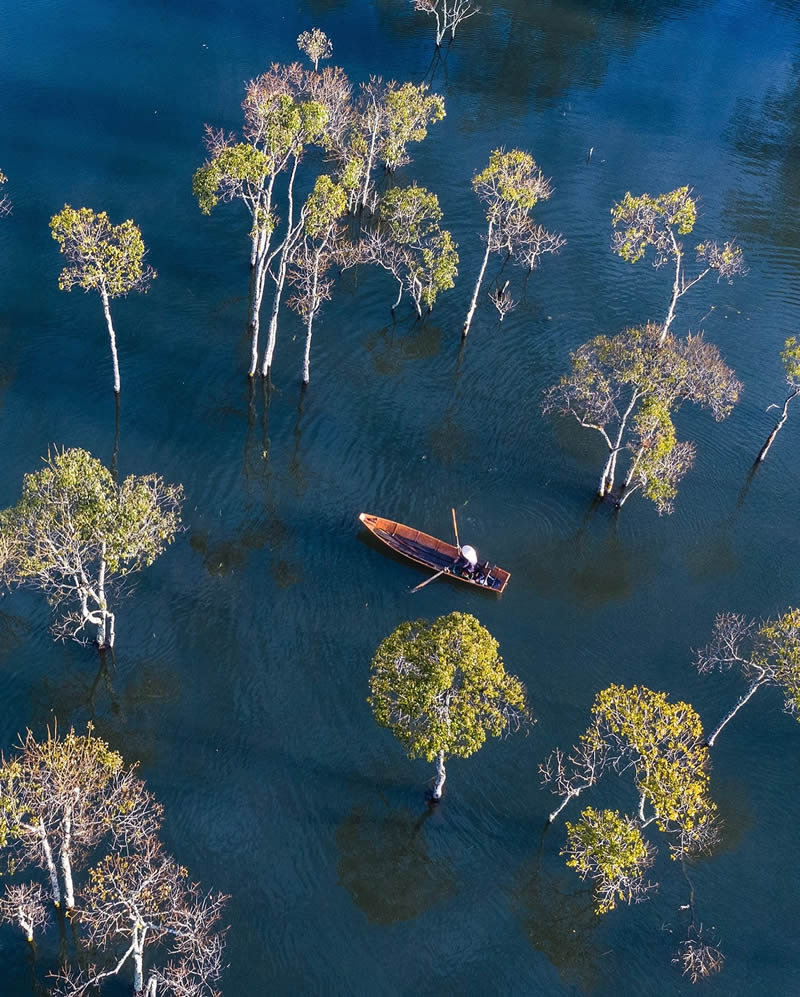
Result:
435,554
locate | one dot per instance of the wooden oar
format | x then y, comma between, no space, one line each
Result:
428,580
455,530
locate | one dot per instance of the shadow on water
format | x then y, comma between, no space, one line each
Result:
393,347
560,923
386,867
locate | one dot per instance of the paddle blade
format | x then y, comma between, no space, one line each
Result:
455,529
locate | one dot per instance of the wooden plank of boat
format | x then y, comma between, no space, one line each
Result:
430,551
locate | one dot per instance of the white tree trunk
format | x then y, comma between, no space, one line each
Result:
778,427
729,716
285,254
441,775
55,889
66,863
474,303
112,337
676,290
138,949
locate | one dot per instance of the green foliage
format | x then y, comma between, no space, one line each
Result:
610,849
660,459
410,213
512,181
439,267
315,44
324,207
409,111
102,256
778,652
442,687
663,742
235,164
644,221
74,505
790,358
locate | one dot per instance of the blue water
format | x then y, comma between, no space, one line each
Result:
242,660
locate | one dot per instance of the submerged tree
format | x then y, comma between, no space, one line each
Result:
76,534
385,119
509,187
320,249
5,203
442,688
766,653
102,257
60,797
279,122
626,387
611,850
660,744
316,45
411,245
448,14
790,357
643,222
66,800
141,900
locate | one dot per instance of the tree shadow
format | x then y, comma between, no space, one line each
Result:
386,866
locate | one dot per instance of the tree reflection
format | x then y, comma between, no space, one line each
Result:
561,924
386,867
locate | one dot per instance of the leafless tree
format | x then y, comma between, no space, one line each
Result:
143,900
698,958
790,357
766,653
448,14
569,775
26,905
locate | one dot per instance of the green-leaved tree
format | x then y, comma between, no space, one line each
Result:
442,688
509,188
75,534
626,387
101,257
643,222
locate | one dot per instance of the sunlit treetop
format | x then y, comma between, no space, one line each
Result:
512,182
643,221
790,358
325,206
316,45
101,256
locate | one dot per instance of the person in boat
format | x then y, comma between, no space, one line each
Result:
467,562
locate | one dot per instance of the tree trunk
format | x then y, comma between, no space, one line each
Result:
55,889
258,261
112,337
740,703
66,863
477,291
440,776
563,803
139,932
307,354
676,290
285,253
102,631
778,427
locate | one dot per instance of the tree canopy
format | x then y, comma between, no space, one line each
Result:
442,688
75,533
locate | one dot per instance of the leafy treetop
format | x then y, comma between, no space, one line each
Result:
102,257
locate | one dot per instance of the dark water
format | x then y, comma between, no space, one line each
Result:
242,661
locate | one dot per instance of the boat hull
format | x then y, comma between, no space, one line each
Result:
438,555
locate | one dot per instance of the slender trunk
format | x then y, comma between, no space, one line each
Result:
626,494
313,305
440,776
740,703
477,291
607,484
151,987
570,796
399,297
102,635
66,863
139,932
371,156
112,337
285,253
55,889
258,264
676,290
778,427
